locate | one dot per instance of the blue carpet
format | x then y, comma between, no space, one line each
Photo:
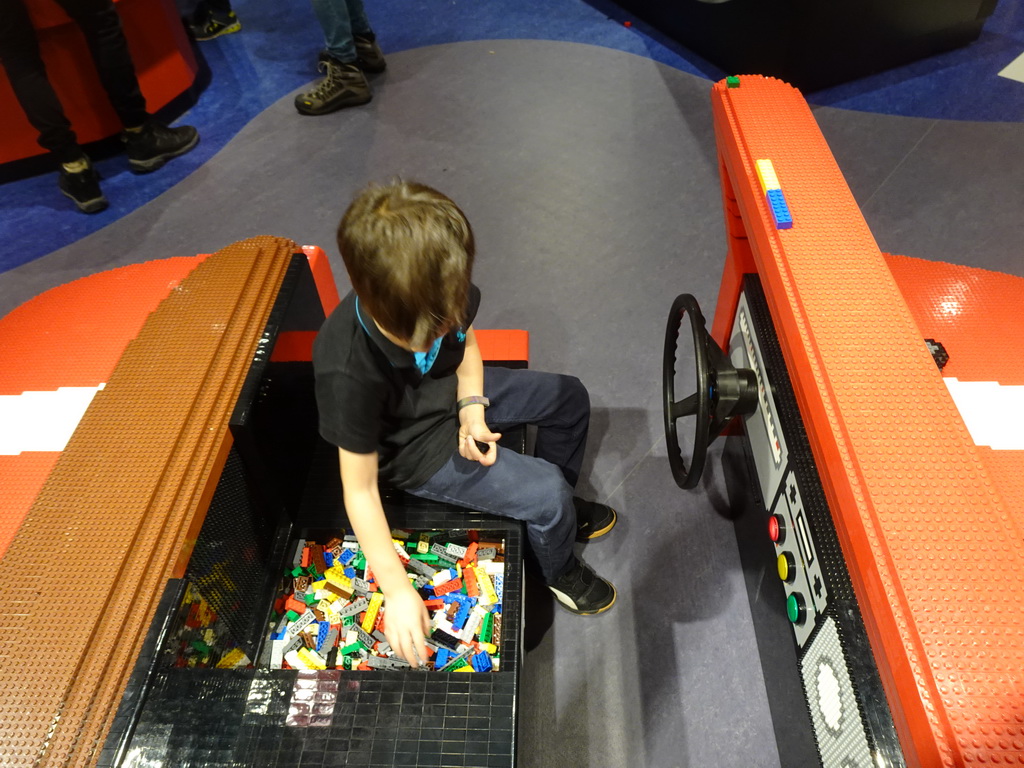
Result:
276,51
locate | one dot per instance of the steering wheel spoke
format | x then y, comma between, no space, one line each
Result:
685,407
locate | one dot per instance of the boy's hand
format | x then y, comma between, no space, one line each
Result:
477,442
406,624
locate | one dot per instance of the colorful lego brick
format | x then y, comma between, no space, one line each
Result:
461,615
452,585
779,208
470,555
442,638
462,660
455,551
421,568
347,556
766,175
311,659
443,657
370,619
301,623
423,545
486,553
732,81
365,637
400,550
470,582
355,608
486,628
488,595
499,585
472,624
323,630
482,662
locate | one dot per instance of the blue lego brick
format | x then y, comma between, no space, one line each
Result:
350,572
325,628
442,657
779,208
482,662
461,615
346,556
328,559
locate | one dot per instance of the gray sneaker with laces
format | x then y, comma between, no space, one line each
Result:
343,85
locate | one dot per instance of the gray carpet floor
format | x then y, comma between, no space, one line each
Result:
590,178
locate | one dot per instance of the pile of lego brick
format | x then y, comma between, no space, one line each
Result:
201,638
331,613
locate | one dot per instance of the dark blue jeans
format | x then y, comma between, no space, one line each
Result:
535,489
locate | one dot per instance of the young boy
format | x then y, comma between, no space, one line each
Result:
403,393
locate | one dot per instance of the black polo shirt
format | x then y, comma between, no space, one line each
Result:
372,397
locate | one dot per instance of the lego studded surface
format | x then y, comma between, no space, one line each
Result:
867,701
115,511
945,615
85,325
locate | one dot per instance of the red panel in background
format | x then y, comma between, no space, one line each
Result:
160,49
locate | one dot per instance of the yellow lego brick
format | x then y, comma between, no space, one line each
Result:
312,659
316,586
423,544
466,668
766,175
233,658
489,647
337,577
487,594
371,613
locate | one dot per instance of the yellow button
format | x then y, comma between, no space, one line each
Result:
786,565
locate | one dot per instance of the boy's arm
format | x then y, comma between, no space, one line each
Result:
472,425
406,621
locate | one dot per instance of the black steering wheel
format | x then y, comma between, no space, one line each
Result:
723,392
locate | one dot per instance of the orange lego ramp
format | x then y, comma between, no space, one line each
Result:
930,524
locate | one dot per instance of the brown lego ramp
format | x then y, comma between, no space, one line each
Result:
119,512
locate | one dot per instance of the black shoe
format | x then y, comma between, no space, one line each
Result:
155,144
344,85
84,189
593,519
370,56
209,26
582,591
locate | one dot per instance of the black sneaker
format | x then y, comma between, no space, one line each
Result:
155,144
343,85
84,189
370,56
582,591
593,519
209,26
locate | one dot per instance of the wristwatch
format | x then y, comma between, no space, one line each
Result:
472,400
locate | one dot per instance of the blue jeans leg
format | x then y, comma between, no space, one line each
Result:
521,487
558,405
341,20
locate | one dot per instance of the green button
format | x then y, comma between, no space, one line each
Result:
795,609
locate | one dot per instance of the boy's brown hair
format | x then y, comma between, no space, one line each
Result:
409,254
